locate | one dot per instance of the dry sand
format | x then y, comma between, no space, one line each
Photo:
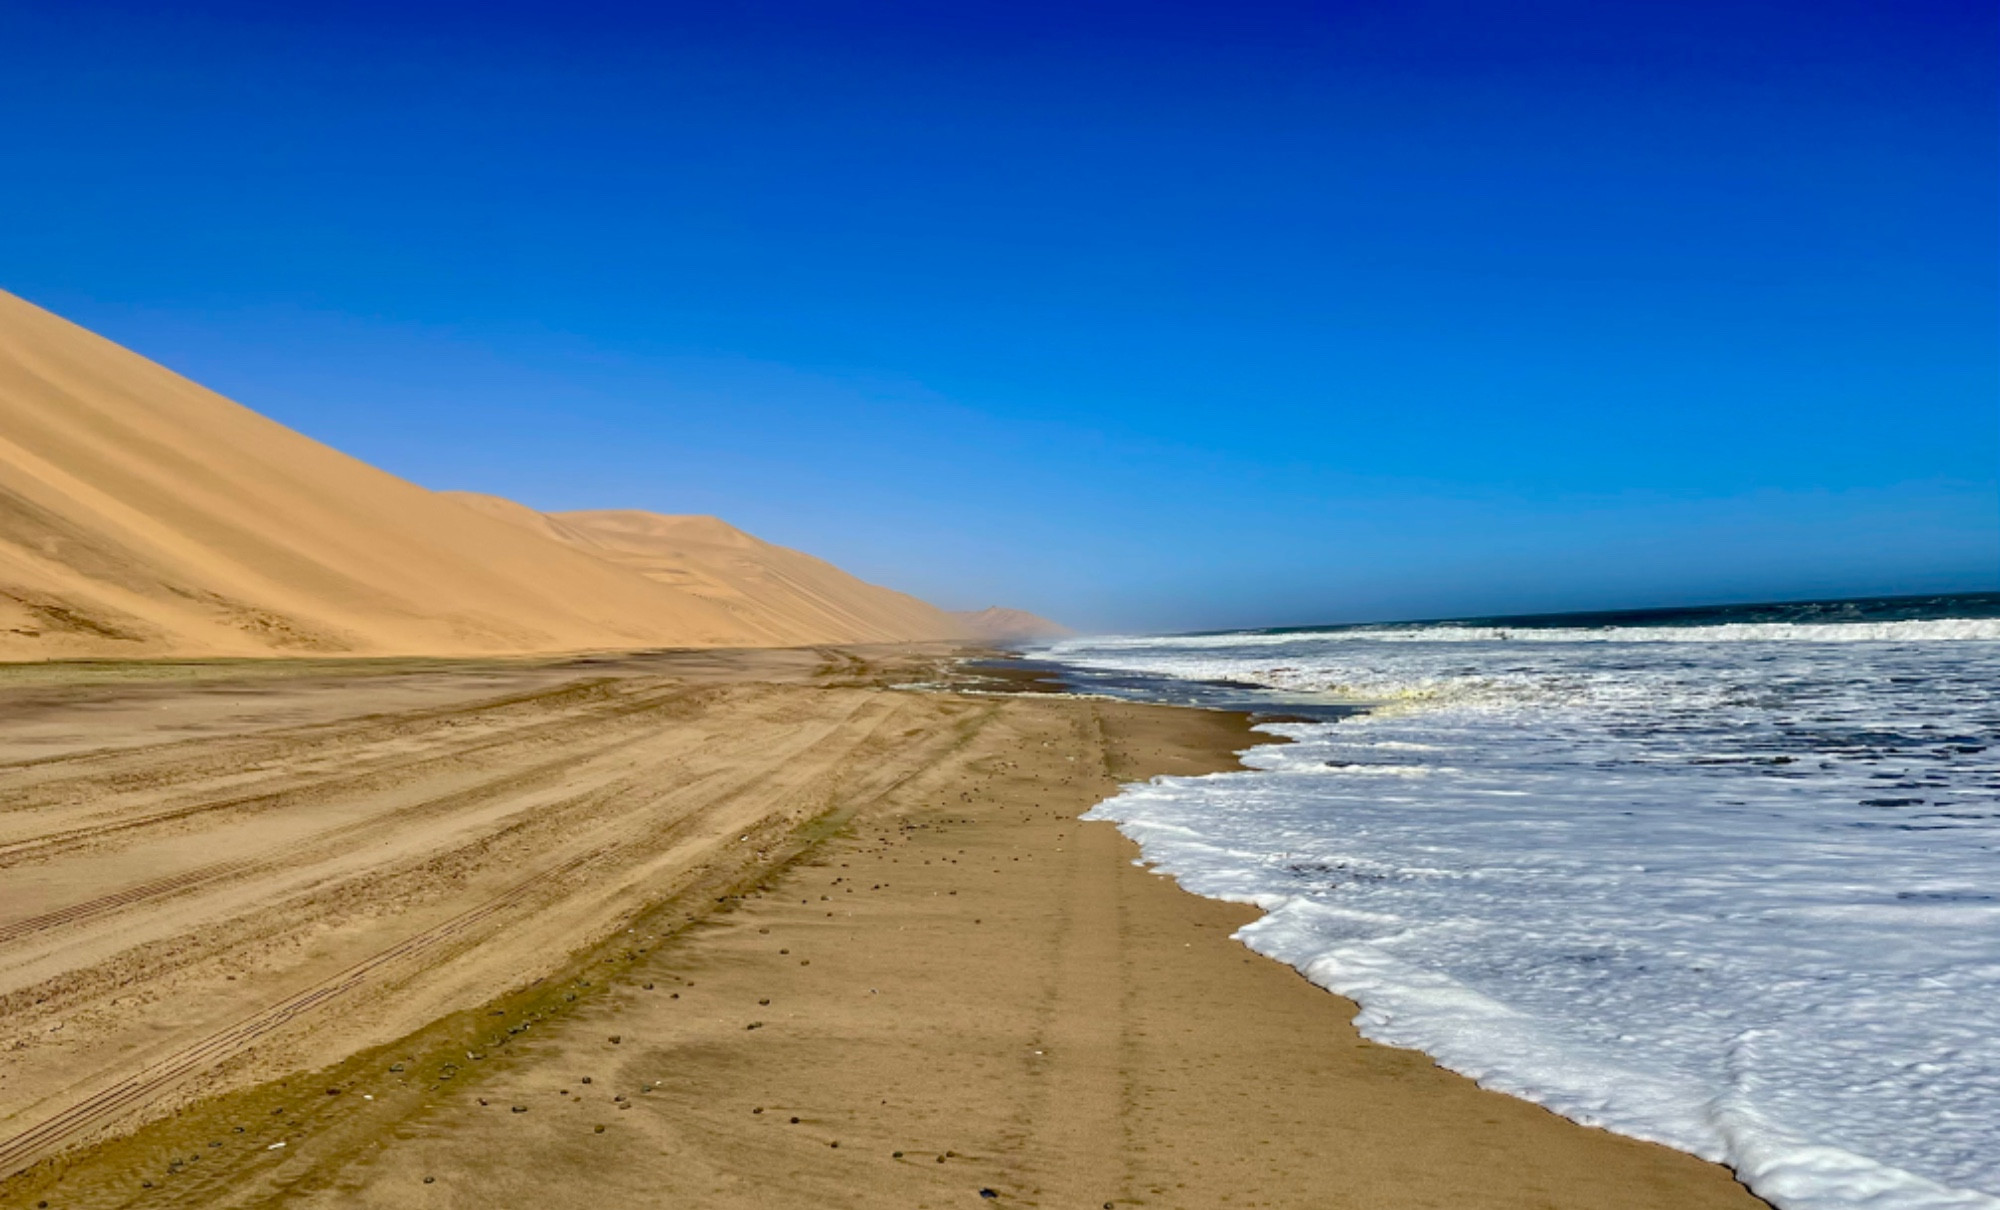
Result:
717,930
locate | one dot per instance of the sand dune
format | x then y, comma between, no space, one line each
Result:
142,515
998,625
782,596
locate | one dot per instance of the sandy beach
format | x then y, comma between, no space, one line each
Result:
714,929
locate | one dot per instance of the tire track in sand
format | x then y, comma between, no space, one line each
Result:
53,1133
68,838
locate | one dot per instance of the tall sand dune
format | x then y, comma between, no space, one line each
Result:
782,596
142,515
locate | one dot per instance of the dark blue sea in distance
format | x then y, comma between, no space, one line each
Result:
1856,609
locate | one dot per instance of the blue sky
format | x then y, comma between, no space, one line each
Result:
1143,316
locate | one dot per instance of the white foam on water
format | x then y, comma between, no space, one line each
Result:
1741,898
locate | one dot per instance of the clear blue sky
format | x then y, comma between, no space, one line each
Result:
1141,315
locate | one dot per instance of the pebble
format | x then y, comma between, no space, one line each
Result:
598,1130
616,1039
520,1109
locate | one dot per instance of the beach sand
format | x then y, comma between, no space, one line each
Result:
839,944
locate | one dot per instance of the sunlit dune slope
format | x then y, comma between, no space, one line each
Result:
780,595
144,515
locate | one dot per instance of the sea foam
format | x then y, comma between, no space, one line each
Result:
1737,894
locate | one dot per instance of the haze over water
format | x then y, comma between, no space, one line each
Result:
1725,879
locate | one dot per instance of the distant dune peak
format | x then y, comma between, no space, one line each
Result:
1000,625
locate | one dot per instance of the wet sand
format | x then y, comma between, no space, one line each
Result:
890,968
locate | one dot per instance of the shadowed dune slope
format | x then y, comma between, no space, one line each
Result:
781,595
143,515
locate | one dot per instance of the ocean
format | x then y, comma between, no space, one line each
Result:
1727,879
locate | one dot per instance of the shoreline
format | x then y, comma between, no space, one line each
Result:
953,968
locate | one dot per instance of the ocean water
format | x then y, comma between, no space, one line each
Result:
1728,880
